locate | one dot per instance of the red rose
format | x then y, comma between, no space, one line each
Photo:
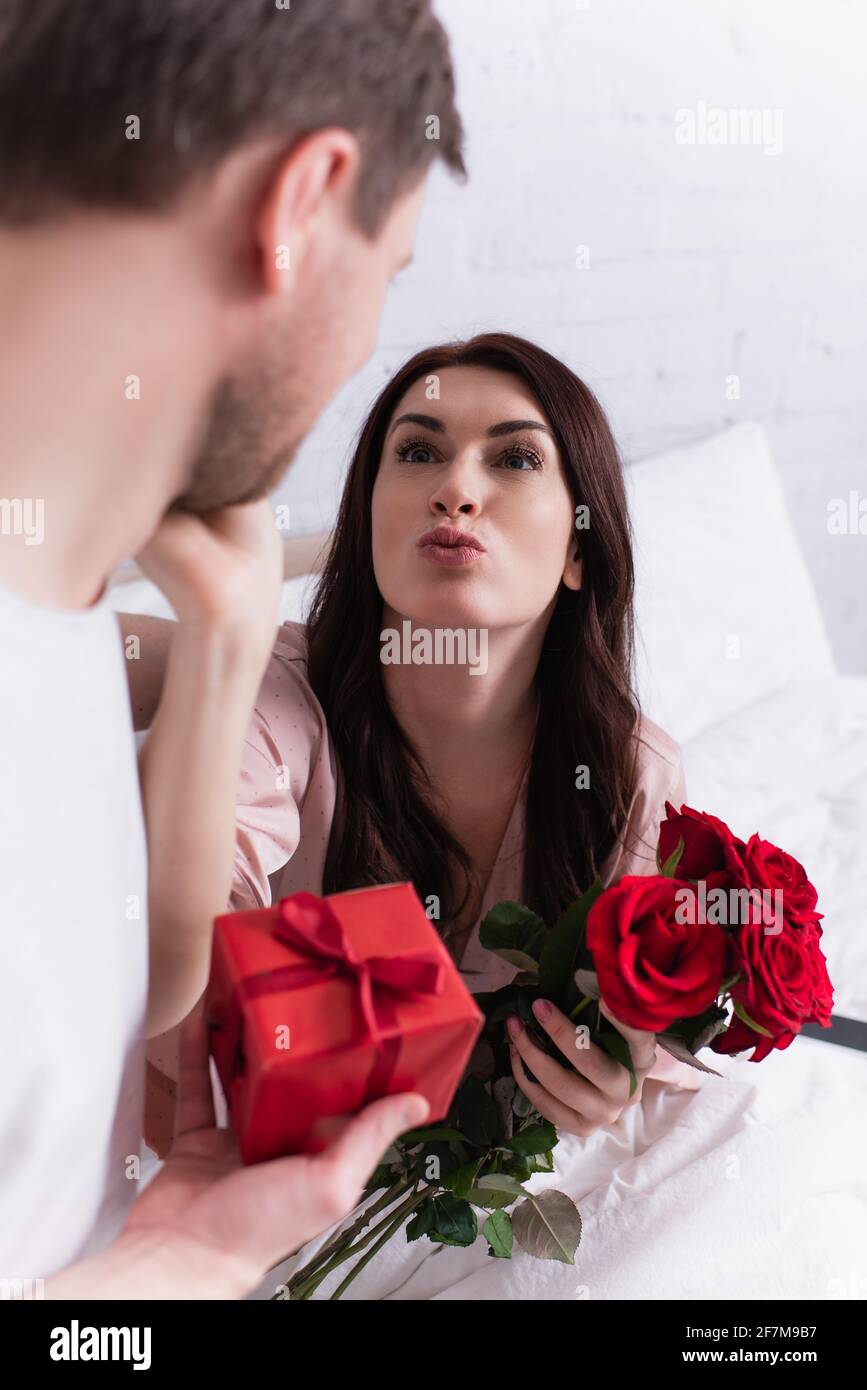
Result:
759,864
653,969
706,841
784,985
739,1036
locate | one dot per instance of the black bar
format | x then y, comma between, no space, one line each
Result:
845,1032
252,1343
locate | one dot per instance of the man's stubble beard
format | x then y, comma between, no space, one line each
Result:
247,446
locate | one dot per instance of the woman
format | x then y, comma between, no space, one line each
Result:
485,498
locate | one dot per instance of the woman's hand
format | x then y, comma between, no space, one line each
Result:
221,573
592,1089
223,568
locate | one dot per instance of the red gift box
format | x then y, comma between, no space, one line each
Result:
319,1005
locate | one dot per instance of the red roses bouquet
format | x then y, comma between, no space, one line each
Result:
722,922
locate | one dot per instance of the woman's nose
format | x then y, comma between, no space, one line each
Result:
456,494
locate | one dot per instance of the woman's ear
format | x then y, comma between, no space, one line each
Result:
573,571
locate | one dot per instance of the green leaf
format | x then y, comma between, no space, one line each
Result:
502,1182
522,1106
478,1114
587,982
497,1230
711,1029
462,1179
526,964
518,1167
548,1226
447,1161
382,1176
563,948
496,1005
488,1198
454,1221
617,1047
692,1027
515,933
537,1167
420,1136
535,1139
671,863
527,977
422,1222
679,1048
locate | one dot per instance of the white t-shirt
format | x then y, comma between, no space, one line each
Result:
73,937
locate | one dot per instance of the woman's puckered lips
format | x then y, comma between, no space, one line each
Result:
452,537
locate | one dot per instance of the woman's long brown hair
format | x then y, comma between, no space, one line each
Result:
385,828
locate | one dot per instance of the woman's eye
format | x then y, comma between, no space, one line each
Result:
515,462
415,453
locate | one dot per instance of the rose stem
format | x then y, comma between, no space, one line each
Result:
309,1284
402,1214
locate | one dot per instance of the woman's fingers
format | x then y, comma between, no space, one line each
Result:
564,1085
642,1045
566,1120
585,1056
602,1089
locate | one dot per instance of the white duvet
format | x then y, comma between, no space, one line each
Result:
753,1187
793,766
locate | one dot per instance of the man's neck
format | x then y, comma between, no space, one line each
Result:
103,385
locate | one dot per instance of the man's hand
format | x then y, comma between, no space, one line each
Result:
207,1227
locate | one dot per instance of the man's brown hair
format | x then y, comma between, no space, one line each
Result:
204,77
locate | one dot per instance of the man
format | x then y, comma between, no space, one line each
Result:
201,205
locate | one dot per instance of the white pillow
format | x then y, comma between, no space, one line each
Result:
142,596
726,612
296,597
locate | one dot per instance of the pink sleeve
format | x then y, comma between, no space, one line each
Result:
283,737
659,778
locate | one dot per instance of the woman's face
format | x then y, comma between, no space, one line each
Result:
480,459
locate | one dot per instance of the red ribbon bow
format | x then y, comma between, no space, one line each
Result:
311,928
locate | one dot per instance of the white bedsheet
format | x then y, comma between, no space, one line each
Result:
753,1187
793,766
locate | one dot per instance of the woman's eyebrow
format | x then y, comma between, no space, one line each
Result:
515,427
428,422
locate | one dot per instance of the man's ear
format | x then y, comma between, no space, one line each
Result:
320,173
572,574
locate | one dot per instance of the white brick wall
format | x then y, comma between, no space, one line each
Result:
705,260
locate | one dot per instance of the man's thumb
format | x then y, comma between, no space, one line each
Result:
353,1156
